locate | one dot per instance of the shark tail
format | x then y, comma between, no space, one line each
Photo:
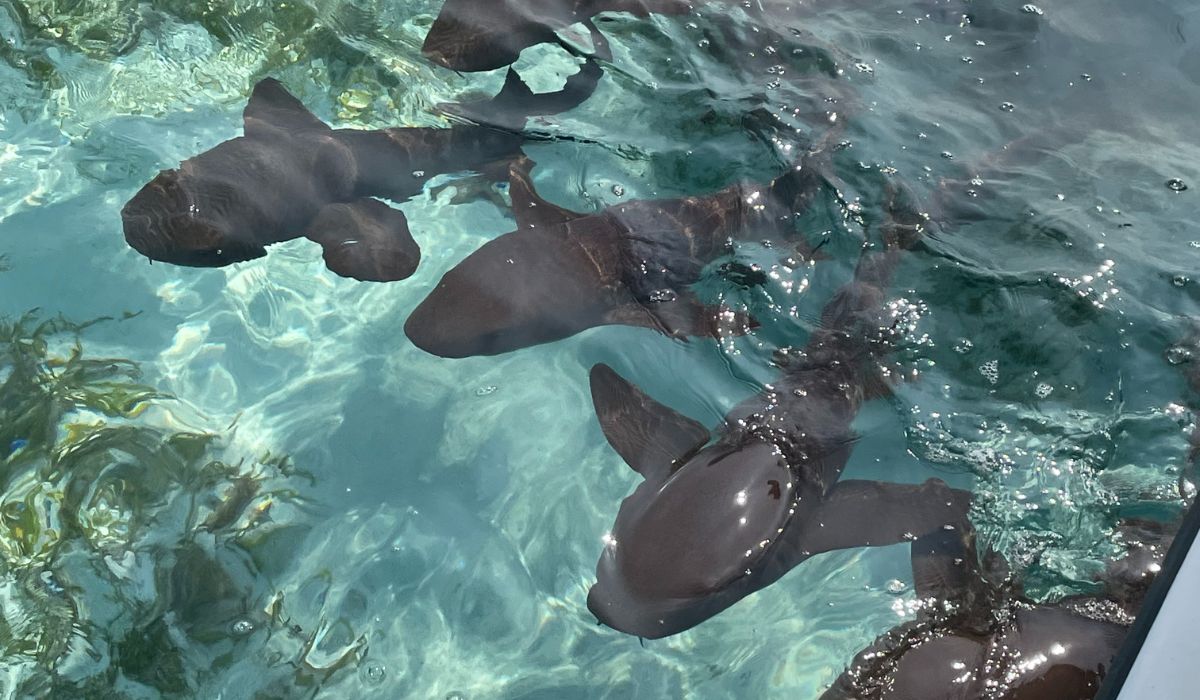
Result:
516,102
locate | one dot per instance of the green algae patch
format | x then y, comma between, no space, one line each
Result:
126,546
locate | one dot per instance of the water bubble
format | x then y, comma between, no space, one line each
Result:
659,296
1043,390
1180,280
1176,185
947,155
456,695
1178,355
418,173
242,627
990,371
1007,106
896,586
373,673
1032,9
486,390
963,346
618,190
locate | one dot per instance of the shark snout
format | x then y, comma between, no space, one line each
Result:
651,617
629,595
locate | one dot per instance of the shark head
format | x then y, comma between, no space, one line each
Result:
524,288
179,220
686,547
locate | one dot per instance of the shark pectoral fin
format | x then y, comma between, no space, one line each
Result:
271,107
649,436
683,317
529,209
859,513
366,240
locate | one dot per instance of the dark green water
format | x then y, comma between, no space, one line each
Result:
288,499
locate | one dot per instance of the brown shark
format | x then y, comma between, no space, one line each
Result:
475,35
562,272
979,636
290,175
721,516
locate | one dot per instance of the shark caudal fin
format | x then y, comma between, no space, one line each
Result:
272,107
516,101
366,240
650,437
474,36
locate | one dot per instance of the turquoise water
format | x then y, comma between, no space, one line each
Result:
436,523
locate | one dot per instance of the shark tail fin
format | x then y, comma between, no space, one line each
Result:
515,102
366,240
649,436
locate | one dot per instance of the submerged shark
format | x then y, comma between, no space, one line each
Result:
561,272
291,175
474,35
721,516
978,636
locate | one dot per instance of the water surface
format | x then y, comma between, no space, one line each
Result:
435,525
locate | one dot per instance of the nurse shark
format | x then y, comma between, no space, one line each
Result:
562,272
474,35
290,175
978,636
722,514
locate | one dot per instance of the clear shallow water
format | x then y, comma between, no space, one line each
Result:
443,521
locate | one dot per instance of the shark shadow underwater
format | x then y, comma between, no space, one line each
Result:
726,513
290,175
562,272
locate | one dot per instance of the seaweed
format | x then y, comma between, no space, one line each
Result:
98,497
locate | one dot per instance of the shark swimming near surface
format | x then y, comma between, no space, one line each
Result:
475,35
978,636
718,517
562,272
290,175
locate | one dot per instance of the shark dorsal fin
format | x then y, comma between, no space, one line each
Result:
272,108
650,437
529,209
